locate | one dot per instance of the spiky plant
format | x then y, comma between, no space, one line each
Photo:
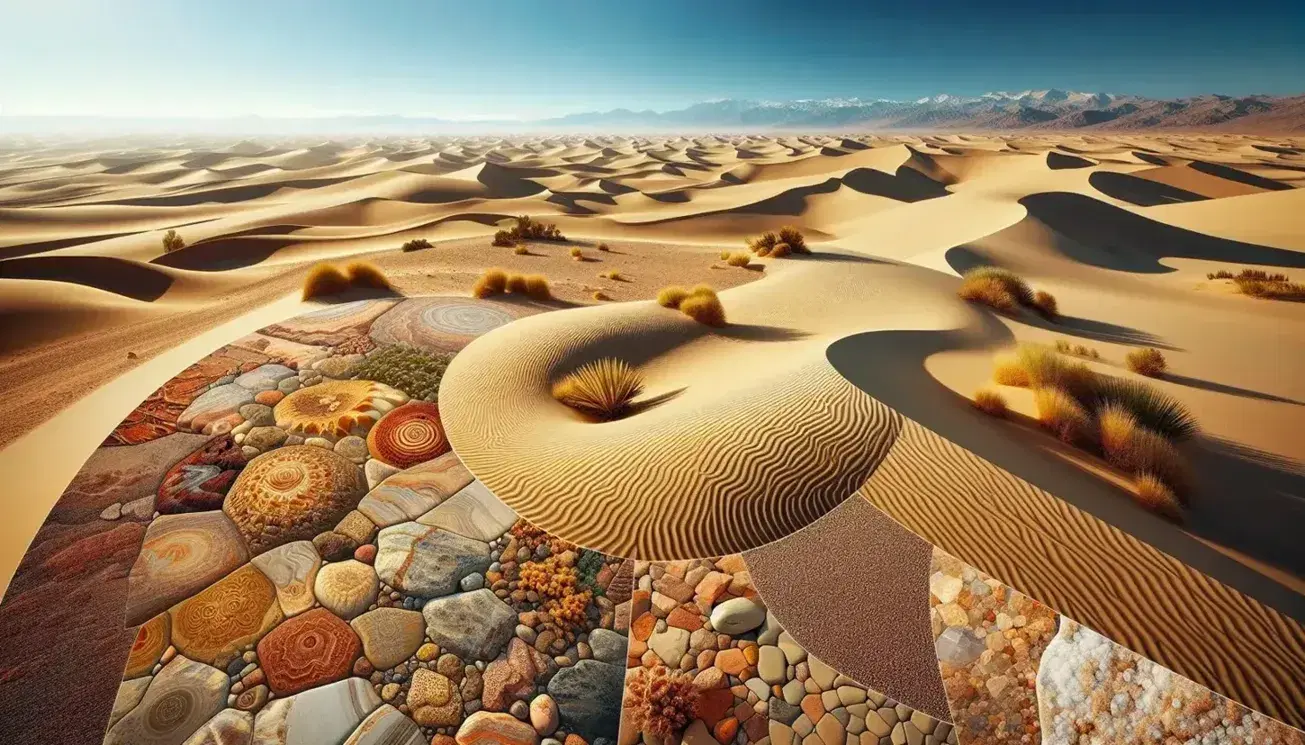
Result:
1154,495
797,242
1152,408
765,240
602,389
1014,284
988,291
1045,304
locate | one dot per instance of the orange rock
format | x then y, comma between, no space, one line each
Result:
731,661
751,653
713,705
725,730
643,626
269,398
812,707
684,619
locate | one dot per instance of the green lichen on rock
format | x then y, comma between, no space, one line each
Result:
411,370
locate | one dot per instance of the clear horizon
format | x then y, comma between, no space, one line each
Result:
517,60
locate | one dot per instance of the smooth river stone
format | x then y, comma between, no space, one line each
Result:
427,562
323,715
200,481
218,622
386,726
181,555
229,727
413,492
152,641
588,697
346,588
390,635
472,625
490,728
738,616
473,512
130,692
293,570
182,697
308,651
216,411
264,378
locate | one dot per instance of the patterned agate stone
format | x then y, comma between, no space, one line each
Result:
409,435
336,408
308,651
291,494
215,624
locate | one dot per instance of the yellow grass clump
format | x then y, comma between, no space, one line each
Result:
739,258
536,287
367,274
797,243
491,282
1155,496
576,253
1045,304
990,402
724,255
504,238
603,388
521,251
703,306
172,242
1008,371
516,284
600,295
614,275
988,291
1065,417
324,279
671,297
1149,362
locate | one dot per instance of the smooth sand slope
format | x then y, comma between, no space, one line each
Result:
830,361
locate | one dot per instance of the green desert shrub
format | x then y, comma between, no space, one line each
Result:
416,244
411,370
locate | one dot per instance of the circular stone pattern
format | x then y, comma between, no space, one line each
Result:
336,408
465,319
151,642
292,494
308,651
411,434
440,324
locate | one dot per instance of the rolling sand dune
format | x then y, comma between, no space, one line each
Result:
848,369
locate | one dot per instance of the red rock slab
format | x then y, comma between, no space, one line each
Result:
309,650
200,481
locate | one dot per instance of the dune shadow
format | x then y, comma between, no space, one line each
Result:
1238,175
1140,191
1231,390
108,273
1060,161
638,407
905,185
1100,331
760,332
1102,235
790,203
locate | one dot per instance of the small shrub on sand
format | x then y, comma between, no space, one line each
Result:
516,284
739,258
1014,284
1221,274
1083,351
530,229
416,244
1135,449
613,275
1155,496
367,274
765,240
504,238
603,388
1153,408
1063,346
537,287
1149,362
172,242
1046,368
988,291
324,279
600,295
781,250
521,251
577,254
724,255
671,297
704,307
491,282
797,243
1008,371
1045,304
1065,417
764,251
990,402
604,247
1260,284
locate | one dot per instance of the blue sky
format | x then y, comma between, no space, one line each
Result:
519,59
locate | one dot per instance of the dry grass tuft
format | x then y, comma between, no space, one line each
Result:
530,229
797,242
1154,495
988,291
172,242
703,306
367,274
416,244
1064,416
990,402
516,284
576,253
604,247
766,240
1014,283
521,251
1155,409
724,255
324,279
1045,304
764,251
536,287
600,295
1008,371
613,275
602,389
504,238
739,258
1149,362
781,250
1133,448
491,282
1047,369
671,297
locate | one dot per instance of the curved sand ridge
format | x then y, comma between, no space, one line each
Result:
748,434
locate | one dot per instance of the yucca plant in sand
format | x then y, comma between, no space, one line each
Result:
603,389
1152,408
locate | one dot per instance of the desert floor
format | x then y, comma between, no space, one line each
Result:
763,453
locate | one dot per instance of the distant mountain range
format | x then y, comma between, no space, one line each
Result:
1000,111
